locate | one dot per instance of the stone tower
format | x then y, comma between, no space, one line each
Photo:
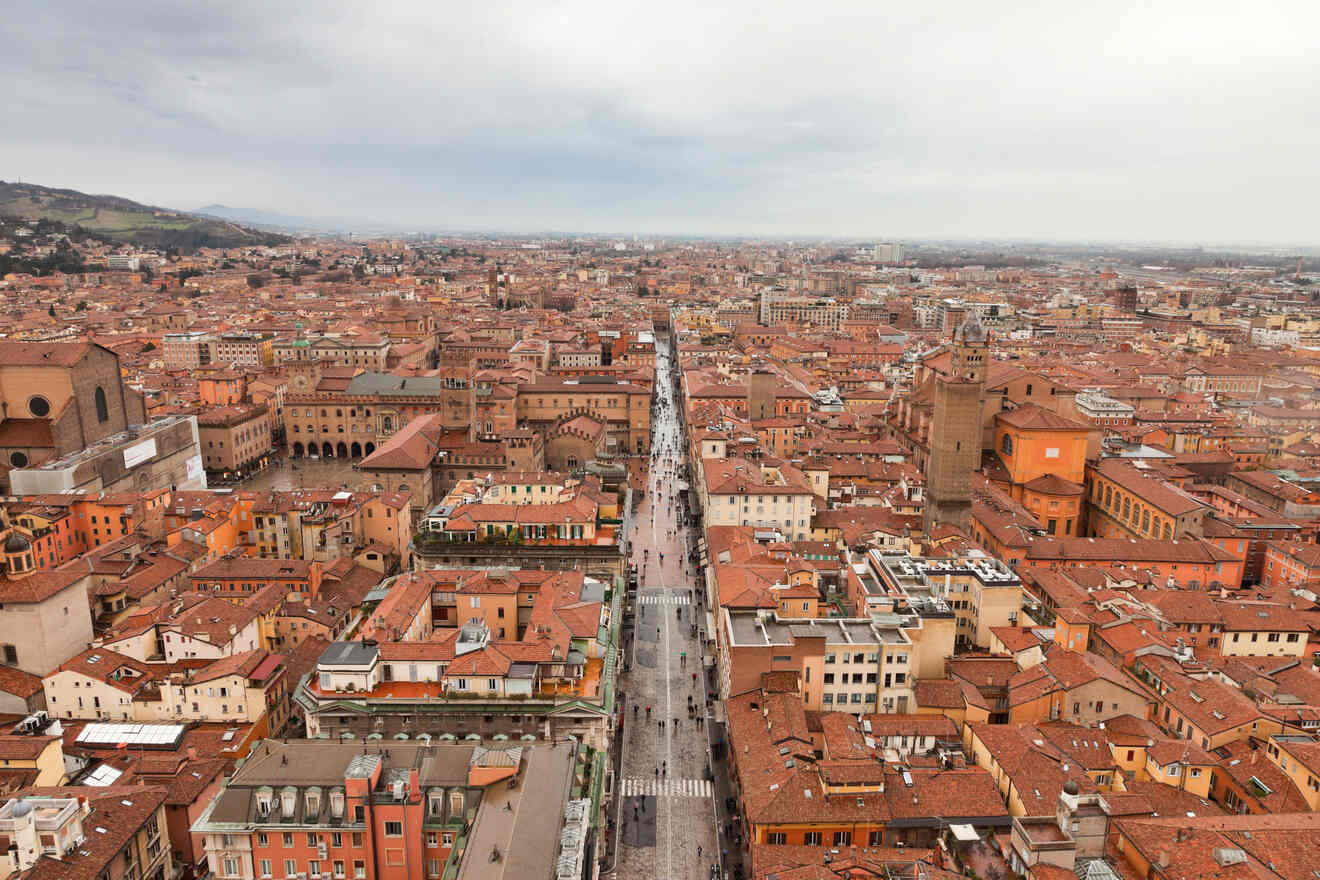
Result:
955,431
761,396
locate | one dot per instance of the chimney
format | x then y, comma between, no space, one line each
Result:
1163,858
192,753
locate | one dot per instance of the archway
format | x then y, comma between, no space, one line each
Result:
341,451
297,450
371,447
356,450
327,451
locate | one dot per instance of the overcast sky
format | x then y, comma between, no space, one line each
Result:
1168,120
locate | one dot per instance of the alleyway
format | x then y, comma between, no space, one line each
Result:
666,811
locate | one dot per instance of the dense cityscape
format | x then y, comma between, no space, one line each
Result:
439,557
703,441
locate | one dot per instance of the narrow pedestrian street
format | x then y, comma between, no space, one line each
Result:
666,809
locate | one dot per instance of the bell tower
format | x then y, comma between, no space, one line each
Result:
955,433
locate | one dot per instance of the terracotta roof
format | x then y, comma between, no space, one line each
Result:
1035,418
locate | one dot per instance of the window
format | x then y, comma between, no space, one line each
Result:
38,406
263,839
313,868
290,868
102,409
10,655
1006,446
230,866
776,838
843,838
876,838
359,869
265,867
394,829
811,838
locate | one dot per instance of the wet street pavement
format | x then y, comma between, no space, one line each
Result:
665,819
304,473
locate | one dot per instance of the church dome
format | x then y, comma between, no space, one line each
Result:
16,543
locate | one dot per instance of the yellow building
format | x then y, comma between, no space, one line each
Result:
1299,757
41,756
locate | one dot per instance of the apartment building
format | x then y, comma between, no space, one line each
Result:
99,683
982,592
822,793
524,654
1298,756
245,349
1192,705
1100,409
234,438
768,494
116,832
192,350
1290,564
843,664
400,811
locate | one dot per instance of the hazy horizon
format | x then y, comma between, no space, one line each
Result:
1179,124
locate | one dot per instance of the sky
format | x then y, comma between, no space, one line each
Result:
1167,121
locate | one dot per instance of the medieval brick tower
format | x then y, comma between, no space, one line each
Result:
955,432
761,395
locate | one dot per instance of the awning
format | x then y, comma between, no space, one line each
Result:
964,833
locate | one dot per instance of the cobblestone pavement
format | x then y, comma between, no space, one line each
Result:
665,808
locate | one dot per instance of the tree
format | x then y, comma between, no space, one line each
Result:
256,282
81,307
359,271
51,311
150,346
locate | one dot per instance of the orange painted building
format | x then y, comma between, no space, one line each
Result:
222,389
1192,563
1041,458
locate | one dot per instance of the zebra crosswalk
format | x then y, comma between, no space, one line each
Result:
698,788
667,599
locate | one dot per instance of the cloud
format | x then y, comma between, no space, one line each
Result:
1178,121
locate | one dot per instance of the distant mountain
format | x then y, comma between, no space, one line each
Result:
265,219
128,221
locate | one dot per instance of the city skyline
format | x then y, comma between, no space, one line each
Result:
847,121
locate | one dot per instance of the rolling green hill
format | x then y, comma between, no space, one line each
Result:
128,221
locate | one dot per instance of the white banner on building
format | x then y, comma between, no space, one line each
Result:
140,452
